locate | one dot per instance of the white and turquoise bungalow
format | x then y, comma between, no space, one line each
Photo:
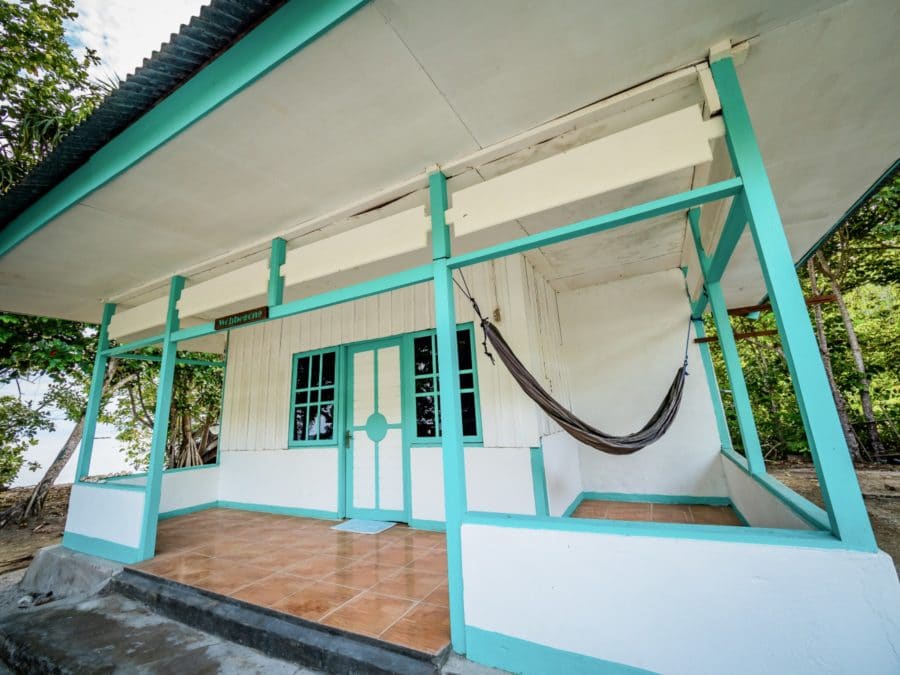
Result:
298,186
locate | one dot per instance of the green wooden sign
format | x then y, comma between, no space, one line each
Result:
242,318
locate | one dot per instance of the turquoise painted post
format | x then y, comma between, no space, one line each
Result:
539,479
715,394
451,422
276,281
95,397
739,394
153,488
837,479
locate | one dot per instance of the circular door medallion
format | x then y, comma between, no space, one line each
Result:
376,427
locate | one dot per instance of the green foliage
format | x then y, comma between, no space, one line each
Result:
45,90
864,254
20,422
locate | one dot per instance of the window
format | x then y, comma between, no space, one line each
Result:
426,386
313,404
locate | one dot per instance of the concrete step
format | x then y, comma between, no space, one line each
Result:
273,633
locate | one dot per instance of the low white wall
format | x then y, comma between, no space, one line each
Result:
498,480
107,513
685,606
562,471
759,506
622,344
182,489
305,478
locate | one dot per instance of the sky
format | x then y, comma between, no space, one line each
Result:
124,33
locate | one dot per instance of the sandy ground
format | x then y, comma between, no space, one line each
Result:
880,486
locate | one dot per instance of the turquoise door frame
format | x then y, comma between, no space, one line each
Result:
375,427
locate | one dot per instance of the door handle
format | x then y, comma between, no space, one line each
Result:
348,436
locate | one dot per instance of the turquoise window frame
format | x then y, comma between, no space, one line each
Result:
410,378
337,401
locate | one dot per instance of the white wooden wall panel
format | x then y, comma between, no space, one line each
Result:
257,396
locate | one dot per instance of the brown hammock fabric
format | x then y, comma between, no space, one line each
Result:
615,445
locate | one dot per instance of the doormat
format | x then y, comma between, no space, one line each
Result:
361,526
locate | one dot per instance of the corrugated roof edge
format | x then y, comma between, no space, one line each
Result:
217,27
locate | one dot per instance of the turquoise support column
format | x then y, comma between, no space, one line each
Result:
276,281
539,479
715,394
451,421
739,394
837,478
153,488
95,397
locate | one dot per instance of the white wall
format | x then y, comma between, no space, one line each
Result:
304,478
562,471
186,488
622,343
759,506
106,513
685,606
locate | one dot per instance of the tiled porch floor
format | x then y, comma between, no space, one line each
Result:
657,513
391,586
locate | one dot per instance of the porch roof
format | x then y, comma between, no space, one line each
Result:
350,122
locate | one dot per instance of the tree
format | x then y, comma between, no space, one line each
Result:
45,89
20,422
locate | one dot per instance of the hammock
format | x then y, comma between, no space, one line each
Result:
651,432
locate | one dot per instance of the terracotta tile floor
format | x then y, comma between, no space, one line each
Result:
657,513
391,586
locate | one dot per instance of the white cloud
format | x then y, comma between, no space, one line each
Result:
125,32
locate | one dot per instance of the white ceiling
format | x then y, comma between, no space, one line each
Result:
401,86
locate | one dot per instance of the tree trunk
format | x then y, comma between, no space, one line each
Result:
35,504
865,396
839,401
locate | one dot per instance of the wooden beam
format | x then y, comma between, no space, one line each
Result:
738,336
766,307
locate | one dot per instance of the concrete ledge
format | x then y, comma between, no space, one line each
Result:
67,573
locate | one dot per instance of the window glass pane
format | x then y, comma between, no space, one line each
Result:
302,372
424,385
464,349
328,369
314,371
312,424
299,424
425,417
469,419
466,381
301,397
422,354
314,395
326,395
326,422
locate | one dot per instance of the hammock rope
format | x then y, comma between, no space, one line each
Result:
651,432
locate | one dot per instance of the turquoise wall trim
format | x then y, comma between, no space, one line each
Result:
161,423
451,426
95,398
276,281
102,548
287,30
724,533
837,479
188,509
280,510
432,525
541,502
804,508
111,486
530,658
633,214
708,500
570,509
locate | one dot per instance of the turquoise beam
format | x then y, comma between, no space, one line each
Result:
451,414
731,235
276,281
95,397
837,478
153,489
609,221
134,346
178,362
715,394
290,28
539,480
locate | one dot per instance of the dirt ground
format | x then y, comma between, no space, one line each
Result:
880,486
